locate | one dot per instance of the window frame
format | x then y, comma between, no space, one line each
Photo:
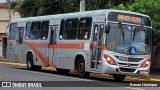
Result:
34,29
28,30
41,30
15,32
70,29
80,29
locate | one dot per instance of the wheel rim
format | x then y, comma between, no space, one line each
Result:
29,61
29,64
81,67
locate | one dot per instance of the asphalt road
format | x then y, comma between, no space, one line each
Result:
55,81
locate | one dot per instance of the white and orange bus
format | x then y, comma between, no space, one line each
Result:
102,41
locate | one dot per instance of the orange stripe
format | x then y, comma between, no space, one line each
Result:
45,61
38,45
60,45
67,45
103,47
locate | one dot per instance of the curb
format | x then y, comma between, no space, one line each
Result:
12,63
131,78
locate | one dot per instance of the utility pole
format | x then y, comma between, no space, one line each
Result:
9,16
82,5
9,12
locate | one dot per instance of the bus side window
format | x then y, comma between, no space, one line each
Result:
71,28
62,29
44,30
84,28
13,31
28,29
35,30
21,31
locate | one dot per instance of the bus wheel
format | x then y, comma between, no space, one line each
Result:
118,77
62,71
81,69
30,64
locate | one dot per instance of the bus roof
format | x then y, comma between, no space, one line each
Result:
73,15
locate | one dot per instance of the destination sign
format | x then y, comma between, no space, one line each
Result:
129,18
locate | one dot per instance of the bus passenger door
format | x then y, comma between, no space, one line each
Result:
53,42
97,42
11,43
19,52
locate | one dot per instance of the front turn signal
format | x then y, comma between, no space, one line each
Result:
109,59
146,63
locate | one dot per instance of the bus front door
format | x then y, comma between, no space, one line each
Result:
97,42
53,42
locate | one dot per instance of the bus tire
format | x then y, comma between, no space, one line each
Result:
62,71
118,77
81,69
30,64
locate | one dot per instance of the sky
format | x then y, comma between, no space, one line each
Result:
2,1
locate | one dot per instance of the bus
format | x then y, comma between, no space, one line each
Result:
114,42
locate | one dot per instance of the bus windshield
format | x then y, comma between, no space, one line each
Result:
121,38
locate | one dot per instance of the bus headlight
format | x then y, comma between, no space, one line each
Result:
110,60
146,63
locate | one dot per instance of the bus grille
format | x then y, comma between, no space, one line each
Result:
130,59
125,64
126,69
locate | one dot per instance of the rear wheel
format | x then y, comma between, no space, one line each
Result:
81,69
118,77
30,64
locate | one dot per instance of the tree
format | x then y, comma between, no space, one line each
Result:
48,7
148,7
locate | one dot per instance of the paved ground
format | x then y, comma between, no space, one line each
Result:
18,72
154,76
67,82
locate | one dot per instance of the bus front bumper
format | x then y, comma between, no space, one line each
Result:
135,71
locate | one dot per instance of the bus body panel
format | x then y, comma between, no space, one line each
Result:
62,53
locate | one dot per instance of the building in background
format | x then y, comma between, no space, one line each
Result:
4,22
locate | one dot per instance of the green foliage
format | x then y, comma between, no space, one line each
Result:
27,7
48,7
148,7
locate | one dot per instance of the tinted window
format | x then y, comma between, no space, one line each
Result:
28,29
21,31
71,27
84,28
62,29
13,32
44,30
35,30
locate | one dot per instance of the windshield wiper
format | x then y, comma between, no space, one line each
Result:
135,31
122,30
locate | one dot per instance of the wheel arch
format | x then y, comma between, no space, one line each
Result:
78,56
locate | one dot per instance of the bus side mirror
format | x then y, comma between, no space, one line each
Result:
107,28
